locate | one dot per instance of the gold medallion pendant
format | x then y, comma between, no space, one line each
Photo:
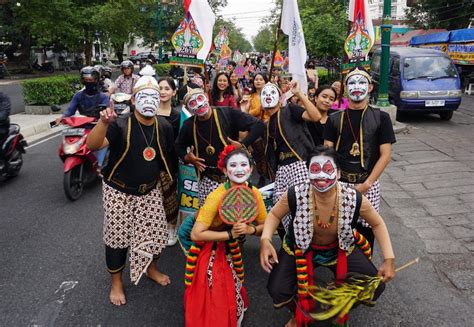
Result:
210,150
149,153
355,150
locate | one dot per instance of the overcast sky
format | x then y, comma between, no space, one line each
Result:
248,14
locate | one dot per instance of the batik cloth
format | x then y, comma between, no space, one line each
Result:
373,195
170,197
205,186
137,223
287,176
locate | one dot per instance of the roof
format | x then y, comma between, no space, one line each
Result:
412,52
464,35
441,37
404,40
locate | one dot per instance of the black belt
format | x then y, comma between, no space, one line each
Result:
354,178
137,190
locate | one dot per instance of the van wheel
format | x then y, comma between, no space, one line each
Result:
447,115
401,116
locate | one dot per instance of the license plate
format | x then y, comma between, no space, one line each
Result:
434,103
74,132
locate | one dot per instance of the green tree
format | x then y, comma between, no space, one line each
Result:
264,40
448,14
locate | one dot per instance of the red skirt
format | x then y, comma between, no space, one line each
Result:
215,297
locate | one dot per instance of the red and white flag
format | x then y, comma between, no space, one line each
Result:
291,26
204,19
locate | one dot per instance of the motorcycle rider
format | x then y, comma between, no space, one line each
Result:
88,100
104,82
5,108
125,82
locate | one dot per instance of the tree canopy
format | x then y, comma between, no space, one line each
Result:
448,14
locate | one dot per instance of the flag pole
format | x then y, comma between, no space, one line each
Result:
275,47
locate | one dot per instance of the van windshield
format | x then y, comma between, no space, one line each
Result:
428,67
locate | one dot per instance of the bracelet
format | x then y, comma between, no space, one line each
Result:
231,238
254,230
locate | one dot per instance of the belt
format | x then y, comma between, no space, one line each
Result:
215,177
140,189
353,177
286,155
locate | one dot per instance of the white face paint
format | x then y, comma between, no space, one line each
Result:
358,87
269,96
238,168
322,173
198,104
147,102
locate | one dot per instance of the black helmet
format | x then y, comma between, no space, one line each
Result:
100,69
90,71
126,64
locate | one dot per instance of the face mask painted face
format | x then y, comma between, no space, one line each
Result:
147,102
322,173
238,168
269,96
358,87
198,104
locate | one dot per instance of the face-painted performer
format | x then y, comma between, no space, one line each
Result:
363,137
139,154
323,214
207,133
220,222
287,139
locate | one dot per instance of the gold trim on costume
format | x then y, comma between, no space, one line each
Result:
284,138
159,147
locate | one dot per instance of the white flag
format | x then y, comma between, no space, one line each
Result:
204,19
368,18
291,26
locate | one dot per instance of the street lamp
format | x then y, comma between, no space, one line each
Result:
382,100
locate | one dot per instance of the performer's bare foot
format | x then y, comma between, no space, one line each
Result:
117,295
157,276
291,323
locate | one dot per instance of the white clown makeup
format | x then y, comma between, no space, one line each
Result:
322,173
269,96
357,87
238,168
198,104
147,102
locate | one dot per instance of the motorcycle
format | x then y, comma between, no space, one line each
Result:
12,151
44,67
80,163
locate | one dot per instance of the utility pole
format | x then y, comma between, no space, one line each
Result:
382,100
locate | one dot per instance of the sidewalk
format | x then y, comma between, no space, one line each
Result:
35,128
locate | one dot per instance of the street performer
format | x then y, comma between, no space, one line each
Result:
214,277
207,133
362,135
134,216
287,138
321,232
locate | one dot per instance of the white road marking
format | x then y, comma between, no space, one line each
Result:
42,141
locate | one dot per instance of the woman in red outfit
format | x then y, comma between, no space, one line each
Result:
222,94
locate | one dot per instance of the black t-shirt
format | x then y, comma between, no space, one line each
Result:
316,129
174,119
134,169
275,139
350,163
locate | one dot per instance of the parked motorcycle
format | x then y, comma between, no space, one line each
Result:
12,151
80,163
44,67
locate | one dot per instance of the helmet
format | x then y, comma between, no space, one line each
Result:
100,69
90,71
125,64
107,72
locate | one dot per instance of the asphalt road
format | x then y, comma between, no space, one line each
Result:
52,269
